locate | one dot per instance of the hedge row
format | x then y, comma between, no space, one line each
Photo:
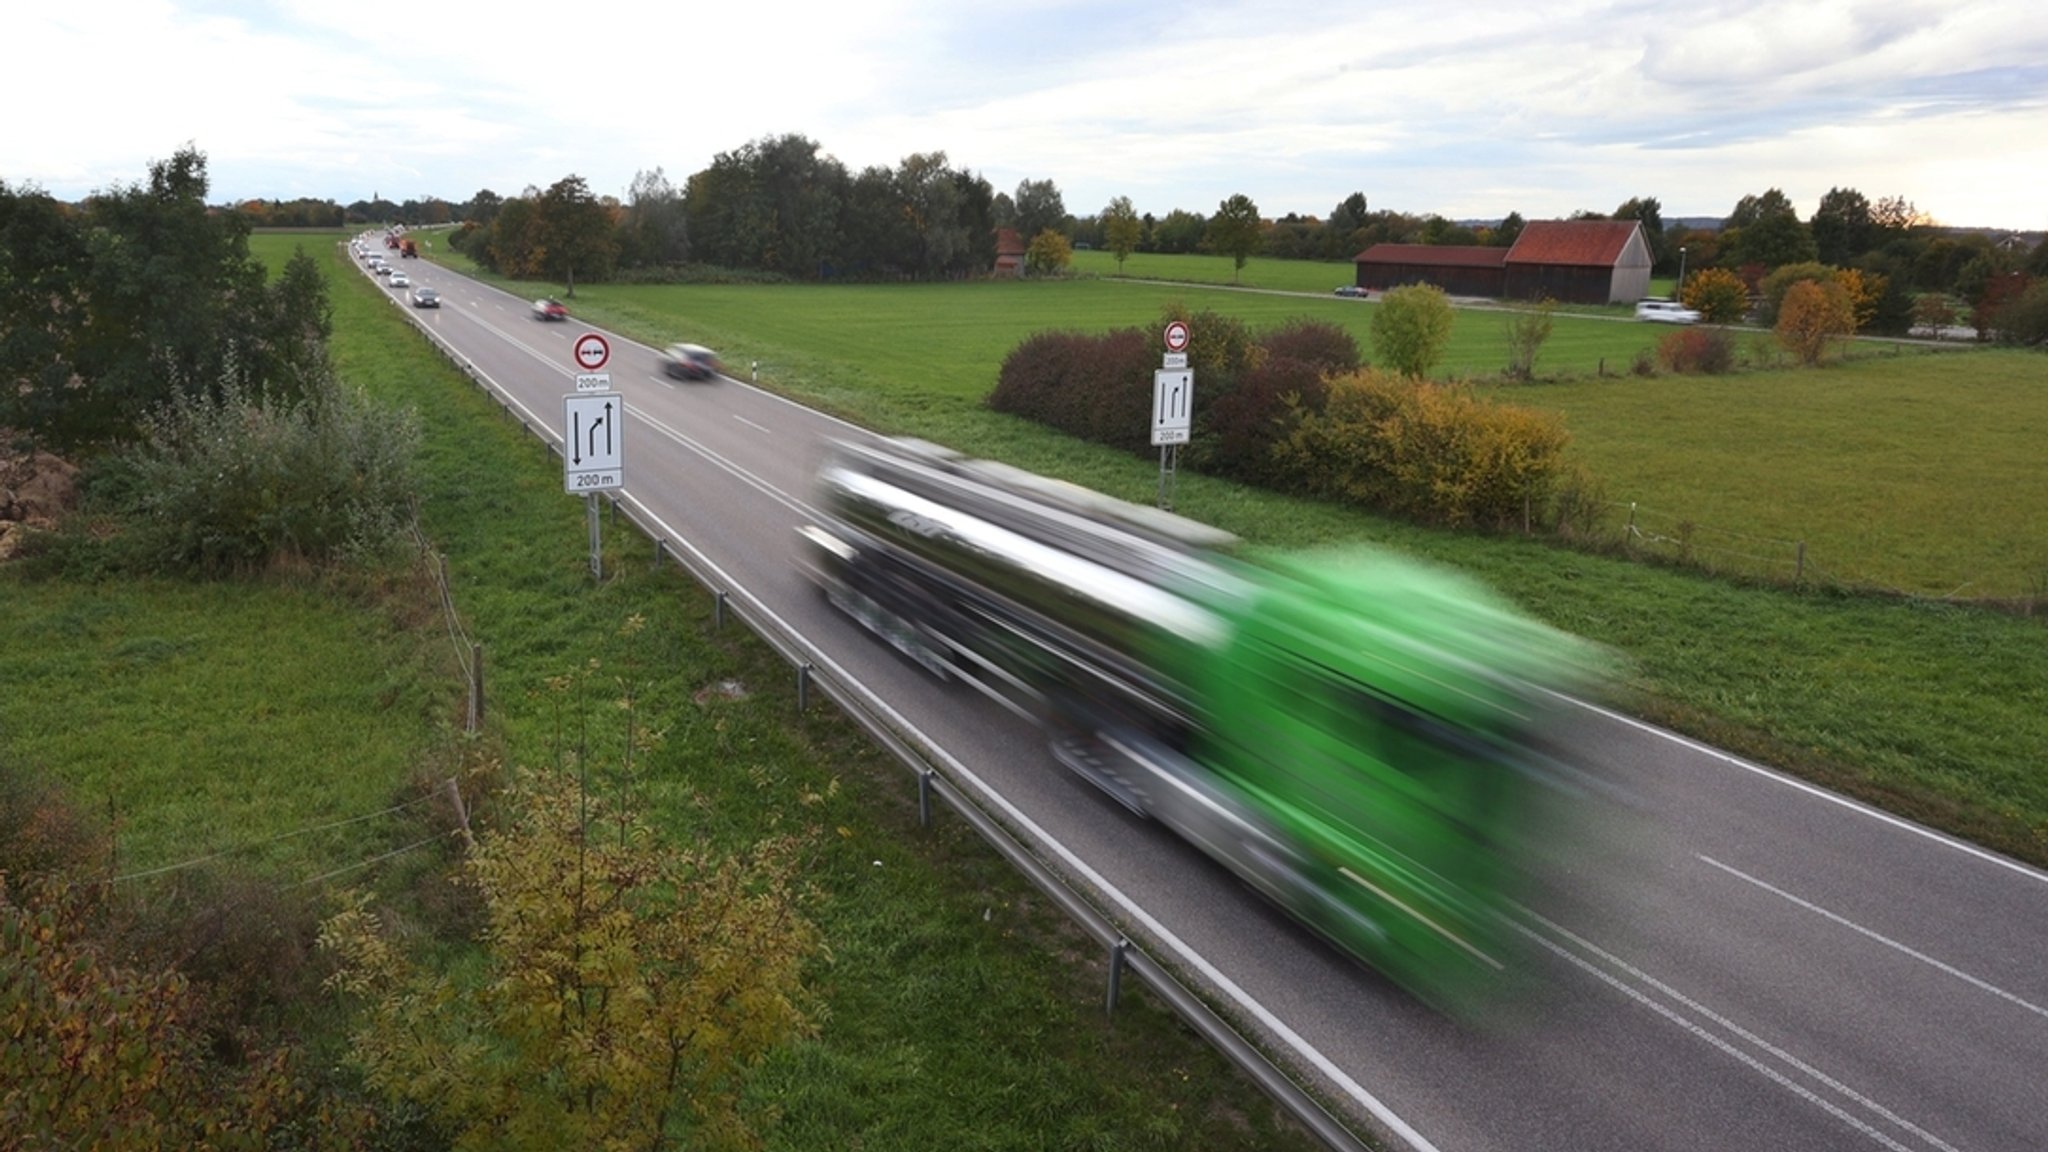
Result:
1293,409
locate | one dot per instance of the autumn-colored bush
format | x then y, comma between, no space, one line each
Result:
1718,295
1999,291
1709,351
1814,315
1432,452
1319,344
2023,320
1240,428
1097,387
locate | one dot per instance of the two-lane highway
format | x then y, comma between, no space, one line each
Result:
1728,958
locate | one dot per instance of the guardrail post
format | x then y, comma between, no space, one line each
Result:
924,799
718,609
803,685
660,546
1116,972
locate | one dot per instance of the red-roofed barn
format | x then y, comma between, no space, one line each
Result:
1580,262
1461,270
1571,261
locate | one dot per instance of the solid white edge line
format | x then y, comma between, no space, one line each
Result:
1816,791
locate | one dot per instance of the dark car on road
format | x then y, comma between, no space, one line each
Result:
546,308
425,297
690,362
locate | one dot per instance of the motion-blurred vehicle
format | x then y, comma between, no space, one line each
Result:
406,247
400,280
546,308
690,362
1359,737
425,297
1666,312
1352,290
381,268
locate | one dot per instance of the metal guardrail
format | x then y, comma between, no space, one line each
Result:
864,709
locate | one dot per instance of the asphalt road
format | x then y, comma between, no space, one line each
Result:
1725,958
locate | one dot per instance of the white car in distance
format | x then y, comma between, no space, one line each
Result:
1666,312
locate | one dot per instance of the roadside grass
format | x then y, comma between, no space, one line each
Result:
939,1030
207,718
1933,711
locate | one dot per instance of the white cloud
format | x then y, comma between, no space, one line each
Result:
1471,109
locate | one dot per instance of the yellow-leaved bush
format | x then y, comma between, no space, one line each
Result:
1433,452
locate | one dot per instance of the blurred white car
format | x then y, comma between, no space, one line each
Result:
400,280
1666,312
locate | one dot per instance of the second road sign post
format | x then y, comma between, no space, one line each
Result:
593,436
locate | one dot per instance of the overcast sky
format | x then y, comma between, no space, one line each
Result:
1471,110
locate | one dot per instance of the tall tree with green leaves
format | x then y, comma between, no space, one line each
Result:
1039,207
576,232
1121,230
1766,230
1236,231
1842,226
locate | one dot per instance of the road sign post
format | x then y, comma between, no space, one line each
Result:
593,454
1173,407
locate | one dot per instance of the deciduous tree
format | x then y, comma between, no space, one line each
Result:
1039,207
1842,227
1121,229
575,232
627,982
1235,231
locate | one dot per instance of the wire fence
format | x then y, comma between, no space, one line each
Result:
250,846
1668,537
469,655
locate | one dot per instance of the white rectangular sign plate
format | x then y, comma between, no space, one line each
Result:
1173,405
593,381
593,442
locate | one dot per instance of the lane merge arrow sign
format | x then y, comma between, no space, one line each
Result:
592,351
593,442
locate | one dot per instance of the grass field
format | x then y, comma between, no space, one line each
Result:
214,716
1901,468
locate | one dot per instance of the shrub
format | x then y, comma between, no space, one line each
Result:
1697,350
1411,327
2023,321
1814,315
1324,346
1048,254
1241,427
1780,281
1435,453
1255,408
1527,331
1718,295
230,482
1998,292
1097,387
